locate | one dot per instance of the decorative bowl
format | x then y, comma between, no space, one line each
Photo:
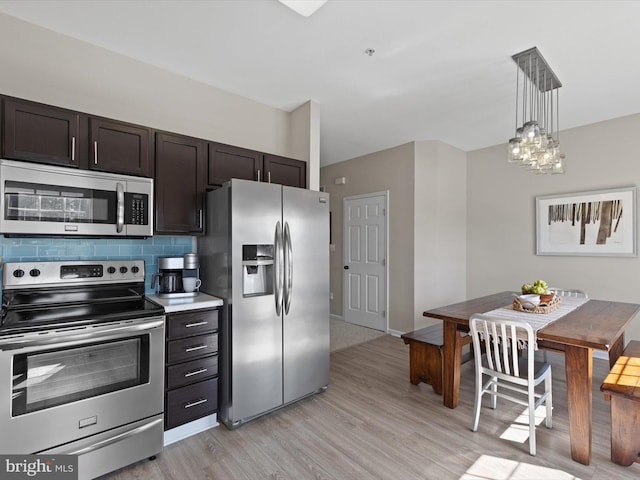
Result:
529,300
546,297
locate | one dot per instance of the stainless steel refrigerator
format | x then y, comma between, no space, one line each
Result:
266,254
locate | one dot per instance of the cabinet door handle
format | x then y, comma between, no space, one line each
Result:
197,402
193,349
195,372
200,218
196,324
95,152
269,176
73,149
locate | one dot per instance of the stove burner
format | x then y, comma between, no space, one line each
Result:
47,318
58,304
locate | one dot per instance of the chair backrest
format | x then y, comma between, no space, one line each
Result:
569,293
501,340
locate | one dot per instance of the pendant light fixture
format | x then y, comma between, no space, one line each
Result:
536,144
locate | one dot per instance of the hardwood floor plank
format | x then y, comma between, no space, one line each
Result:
372,423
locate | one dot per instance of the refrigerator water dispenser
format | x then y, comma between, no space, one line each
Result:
257,270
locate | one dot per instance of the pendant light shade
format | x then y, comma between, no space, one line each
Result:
536,143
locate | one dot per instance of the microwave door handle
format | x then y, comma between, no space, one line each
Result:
120,207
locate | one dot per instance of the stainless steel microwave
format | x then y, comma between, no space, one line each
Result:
40,199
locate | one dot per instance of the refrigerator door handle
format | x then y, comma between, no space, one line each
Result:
288,268
278,267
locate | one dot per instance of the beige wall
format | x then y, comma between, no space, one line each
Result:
40,65
305,140
391,170
501,215
440,227
427,225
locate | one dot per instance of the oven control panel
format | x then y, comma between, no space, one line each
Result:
38,274
81,271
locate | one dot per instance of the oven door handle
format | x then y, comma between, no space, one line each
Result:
117,438
89,333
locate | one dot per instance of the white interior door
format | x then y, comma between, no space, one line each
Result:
365,260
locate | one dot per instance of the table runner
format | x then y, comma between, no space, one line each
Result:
539,320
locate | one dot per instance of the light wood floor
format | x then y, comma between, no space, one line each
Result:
373,424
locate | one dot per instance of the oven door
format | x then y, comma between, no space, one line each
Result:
60,386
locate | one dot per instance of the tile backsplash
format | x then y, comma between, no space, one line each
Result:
148,249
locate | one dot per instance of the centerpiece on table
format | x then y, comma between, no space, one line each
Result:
539,287
536,298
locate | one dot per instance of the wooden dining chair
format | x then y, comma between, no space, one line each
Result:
500,341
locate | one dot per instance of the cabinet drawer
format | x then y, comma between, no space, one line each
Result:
192,348
192,323
191,372
190,403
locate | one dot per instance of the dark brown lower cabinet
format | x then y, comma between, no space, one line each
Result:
191,376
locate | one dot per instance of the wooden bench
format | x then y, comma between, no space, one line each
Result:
425,355
622,389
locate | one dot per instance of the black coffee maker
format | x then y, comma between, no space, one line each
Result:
171,271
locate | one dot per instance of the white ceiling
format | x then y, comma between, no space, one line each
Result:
442,69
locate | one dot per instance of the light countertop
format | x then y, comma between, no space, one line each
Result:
200,301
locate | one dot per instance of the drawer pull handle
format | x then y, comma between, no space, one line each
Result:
193,349
195,372
197,324
197,402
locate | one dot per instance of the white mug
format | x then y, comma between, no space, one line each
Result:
190,284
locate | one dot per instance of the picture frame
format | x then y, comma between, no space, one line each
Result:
593,223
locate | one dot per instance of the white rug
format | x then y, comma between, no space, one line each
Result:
345,334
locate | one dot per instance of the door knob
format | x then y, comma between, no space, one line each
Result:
346,267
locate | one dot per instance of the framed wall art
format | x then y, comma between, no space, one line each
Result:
600,222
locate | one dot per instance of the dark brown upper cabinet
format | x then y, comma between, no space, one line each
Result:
285,171
179,184
119,147
227,162
41,133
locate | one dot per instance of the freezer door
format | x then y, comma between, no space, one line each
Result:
255,327
306,303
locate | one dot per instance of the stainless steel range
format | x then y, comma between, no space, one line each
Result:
81,363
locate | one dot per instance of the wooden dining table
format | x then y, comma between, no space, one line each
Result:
595,325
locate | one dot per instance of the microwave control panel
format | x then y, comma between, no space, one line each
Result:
136,209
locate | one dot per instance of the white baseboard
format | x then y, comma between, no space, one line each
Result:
395,333
188,429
